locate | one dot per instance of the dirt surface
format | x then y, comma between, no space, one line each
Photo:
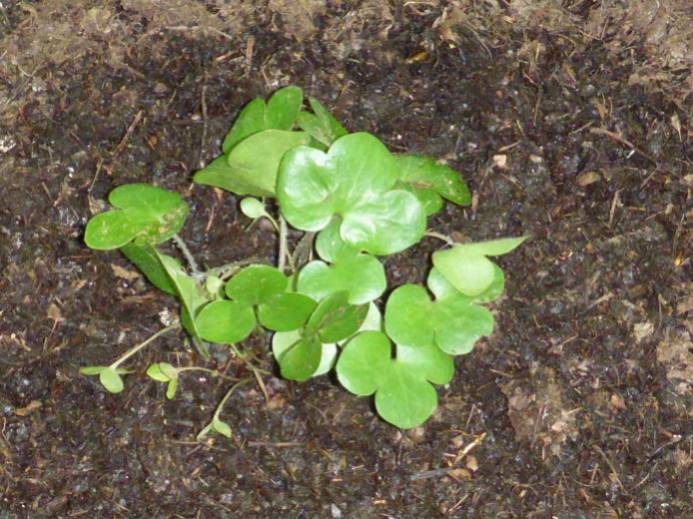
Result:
570,122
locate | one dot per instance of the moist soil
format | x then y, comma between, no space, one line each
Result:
570,121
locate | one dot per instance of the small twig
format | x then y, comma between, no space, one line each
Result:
611,466
275,444
283,231
124,141
625,142
203,137
141,345
186,252
443,237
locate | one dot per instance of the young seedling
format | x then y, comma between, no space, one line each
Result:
355,202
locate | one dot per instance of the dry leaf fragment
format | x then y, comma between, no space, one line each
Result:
124,273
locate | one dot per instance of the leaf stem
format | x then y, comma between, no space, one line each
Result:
212,372
440,236
186,252
141,345
283,231
228,394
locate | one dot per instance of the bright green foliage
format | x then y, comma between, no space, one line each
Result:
431,182
355,179
144,213
320,124
355,201
466,266
278,114
403,393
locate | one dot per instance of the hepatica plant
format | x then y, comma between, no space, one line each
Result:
355,203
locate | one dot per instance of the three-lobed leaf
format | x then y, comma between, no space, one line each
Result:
403,393
432,180
466,266
355,181
144,213
321,124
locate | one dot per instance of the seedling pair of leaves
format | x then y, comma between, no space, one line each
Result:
363,202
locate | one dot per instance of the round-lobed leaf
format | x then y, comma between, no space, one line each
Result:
253,208
425,174
363,361
286,311
408,316
362,276
256,284
225,322
335,319
403,399
458,324
110,379
301,359
282,341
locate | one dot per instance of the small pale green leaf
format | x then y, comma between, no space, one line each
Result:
214,285
111,230
286,311
111,380
171,388
154,372
253,208
256,284
250,120
469,272
221,427
495,247
301,359
335,319
145,259
225,322
425,173
92,370
362,276
167,369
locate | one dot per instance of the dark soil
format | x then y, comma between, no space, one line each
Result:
570,122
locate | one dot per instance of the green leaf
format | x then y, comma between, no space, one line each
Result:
145,259
442,288
403,394
286,311
282,341
256,284
353,180
431,201
92,370
191,295
154,372
279,114
253,208
335,319
329,244
301,359
320,124
221,427
250,120
225,322
283,107
143,212
453,323
362,276
466,267
171,388
111,380
425,174
252,164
